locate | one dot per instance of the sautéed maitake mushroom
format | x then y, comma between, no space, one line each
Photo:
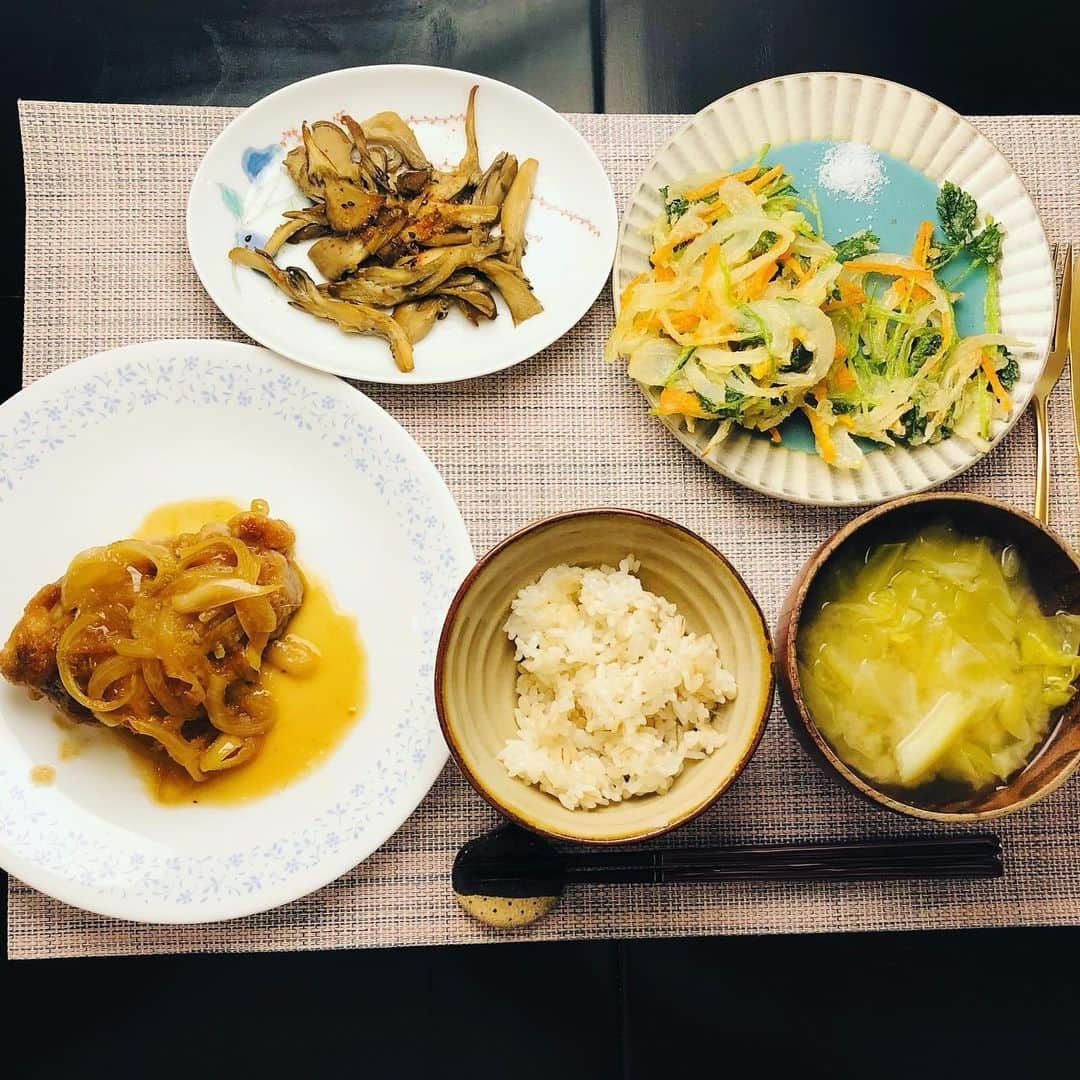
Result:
398,240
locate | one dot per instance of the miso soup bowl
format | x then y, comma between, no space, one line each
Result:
1054,571
476,669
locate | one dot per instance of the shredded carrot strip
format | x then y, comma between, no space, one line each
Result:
708,268
710,188
712,261
662,255
921,250
841,305
821,435
774,434
766,178
850,291
673,402
714,186
919,273
792,263
716,210
845,421
631,285
918,292
685,320
752,287
995,383
843,377
851,296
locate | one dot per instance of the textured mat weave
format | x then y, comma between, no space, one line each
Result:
107,265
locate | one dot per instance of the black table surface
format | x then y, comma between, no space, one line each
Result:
973,1003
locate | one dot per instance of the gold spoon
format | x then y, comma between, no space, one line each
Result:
1055,365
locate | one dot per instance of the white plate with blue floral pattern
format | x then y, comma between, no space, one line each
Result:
85,453
241,189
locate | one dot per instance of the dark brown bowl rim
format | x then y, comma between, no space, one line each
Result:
789,659
444,641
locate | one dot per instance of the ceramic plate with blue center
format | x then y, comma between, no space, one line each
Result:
914,144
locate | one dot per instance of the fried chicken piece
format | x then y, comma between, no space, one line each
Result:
134,610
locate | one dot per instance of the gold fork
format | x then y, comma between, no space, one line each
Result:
1055,365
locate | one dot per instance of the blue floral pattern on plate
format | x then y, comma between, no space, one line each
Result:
252,380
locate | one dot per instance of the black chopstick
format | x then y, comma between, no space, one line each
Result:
976,856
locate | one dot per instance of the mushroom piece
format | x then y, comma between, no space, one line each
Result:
496,180
515,290
304,294
437,219
336,256
349,207
372,171
410,182
387,129
433,267
313,225
296,166
381,286
447,186
417,317
311,231
319,164
337,147
287,230
473,294
313,215
470,163
392,160
446,239
464,215
298,225
514,211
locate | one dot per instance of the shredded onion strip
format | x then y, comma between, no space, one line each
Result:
748,315
167,639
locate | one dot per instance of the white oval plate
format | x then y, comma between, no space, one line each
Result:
241,188
84,454
910,126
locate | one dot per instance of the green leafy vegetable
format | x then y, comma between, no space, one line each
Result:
673,208
746,343
925,346
957,211
801,358
986,247
913,423
728,408
861,243
1008,374
680,363
764,242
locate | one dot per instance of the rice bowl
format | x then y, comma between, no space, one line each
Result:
476,671
615,694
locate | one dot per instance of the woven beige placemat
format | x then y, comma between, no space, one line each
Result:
106,265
